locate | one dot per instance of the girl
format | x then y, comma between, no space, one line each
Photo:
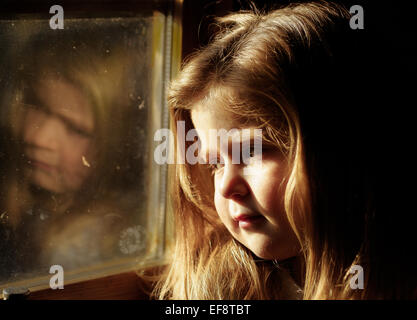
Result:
299,224
72,173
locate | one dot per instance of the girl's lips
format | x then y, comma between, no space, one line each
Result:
246,220
41,165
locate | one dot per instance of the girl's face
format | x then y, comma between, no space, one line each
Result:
57,135
250,205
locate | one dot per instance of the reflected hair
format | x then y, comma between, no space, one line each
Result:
103,73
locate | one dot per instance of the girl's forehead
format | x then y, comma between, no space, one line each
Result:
64,99
213,115
219,108
217,123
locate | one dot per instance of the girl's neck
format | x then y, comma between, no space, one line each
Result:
53,202
295,267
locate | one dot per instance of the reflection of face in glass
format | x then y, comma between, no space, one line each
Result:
57,134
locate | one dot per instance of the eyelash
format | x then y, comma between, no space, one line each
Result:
71,128
78,131
214,167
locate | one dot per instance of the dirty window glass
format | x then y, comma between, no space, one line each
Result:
78,108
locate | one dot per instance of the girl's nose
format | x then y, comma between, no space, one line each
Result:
45,133
233,183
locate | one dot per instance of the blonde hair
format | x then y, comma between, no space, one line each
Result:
207,262
274,70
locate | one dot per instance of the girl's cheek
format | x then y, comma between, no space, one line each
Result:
216,200
30,125
254,168
77,161
220,204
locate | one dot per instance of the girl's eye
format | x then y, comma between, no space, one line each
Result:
215,167
35,107
77,131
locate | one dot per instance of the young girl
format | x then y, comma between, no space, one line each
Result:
296,226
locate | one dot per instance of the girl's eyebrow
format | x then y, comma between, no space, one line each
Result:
78,123
245,137
208,154
73,123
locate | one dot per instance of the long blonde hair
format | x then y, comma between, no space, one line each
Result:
270,65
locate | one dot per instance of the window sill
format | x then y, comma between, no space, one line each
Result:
124,286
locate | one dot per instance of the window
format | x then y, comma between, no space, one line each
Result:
79,106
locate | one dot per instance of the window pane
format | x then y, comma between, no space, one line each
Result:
78,108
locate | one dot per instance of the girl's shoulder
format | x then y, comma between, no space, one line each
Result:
81,238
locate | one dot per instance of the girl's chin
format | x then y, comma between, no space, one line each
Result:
271,251
43,183
41,186
53,183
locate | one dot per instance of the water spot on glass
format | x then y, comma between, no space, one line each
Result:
132,240
141,105
43,215
85,162
113,215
